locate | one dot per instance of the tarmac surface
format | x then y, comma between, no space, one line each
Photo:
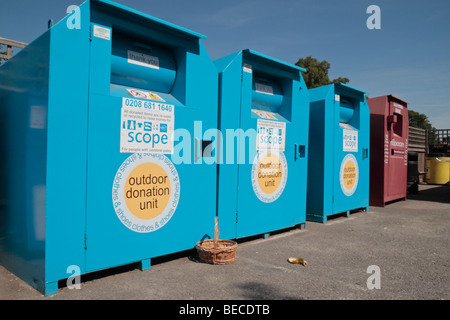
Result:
409,241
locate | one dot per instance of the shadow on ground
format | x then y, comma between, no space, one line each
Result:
260,291
434,193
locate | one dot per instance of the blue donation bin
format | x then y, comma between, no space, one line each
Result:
338,160
97,127
263,118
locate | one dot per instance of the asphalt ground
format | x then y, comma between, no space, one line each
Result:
402,249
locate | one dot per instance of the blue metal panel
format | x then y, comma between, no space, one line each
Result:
345,198
23,141
227,173
247,203
339,151
67,148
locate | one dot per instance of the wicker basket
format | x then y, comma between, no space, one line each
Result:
221,252
217,251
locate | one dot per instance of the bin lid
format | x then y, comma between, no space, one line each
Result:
113,6
350,87
390,96
272,61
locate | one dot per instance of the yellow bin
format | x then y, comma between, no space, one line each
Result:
439,170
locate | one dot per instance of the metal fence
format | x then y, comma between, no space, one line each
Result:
9,44
417,140
438,142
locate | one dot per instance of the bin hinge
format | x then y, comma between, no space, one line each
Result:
85,241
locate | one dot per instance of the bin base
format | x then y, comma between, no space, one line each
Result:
381,203
324,218
51,288
145,265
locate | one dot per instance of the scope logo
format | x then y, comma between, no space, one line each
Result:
350,140
152,139
146,126
270,135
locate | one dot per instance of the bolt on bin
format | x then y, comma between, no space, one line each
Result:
338,160
263,117
388,149
90,117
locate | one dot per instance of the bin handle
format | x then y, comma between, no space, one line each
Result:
365,153
299,151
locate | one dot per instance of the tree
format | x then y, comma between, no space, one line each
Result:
317,72
419,120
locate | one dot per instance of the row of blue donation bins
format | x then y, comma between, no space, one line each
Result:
122,140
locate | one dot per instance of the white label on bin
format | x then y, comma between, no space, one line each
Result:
38,117
146,191
102,32
265,114
247,68
270,135
144,94
350,140
142,59
146,126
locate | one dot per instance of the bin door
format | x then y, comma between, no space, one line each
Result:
398,149
141,205
267,186
351,161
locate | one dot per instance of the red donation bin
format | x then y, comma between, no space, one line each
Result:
388,149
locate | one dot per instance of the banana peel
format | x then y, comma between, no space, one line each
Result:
297,261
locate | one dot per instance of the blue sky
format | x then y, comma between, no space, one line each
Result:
408,57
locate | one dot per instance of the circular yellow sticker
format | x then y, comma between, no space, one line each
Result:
147,191
349,175
269,175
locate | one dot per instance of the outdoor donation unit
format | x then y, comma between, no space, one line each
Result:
102,165
338,159
388,149
263,117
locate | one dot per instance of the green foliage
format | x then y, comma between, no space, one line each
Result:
419,120
317,72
